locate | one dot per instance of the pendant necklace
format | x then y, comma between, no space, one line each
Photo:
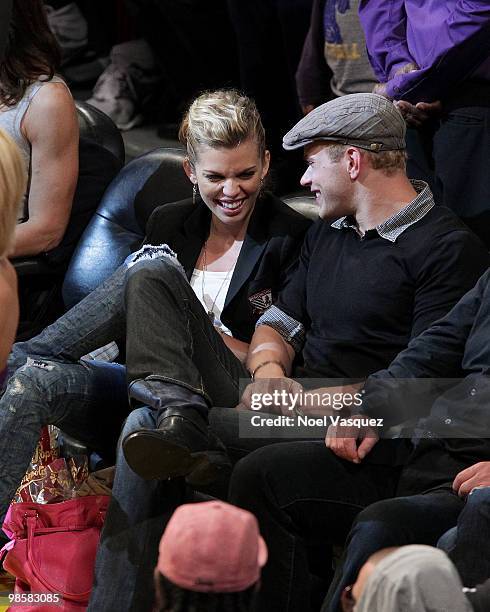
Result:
210,311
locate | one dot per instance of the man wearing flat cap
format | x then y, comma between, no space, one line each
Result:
380,265
378,268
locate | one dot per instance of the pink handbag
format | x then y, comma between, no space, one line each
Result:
53,550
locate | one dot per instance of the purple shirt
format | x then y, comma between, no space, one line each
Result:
448,40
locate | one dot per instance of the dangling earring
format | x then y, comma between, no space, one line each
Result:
194,193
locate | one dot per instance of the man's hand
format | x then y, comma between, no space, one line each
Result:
272,396
477,475
342,439
416,115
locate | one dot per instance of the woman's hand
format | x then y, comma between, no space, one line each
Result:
9,309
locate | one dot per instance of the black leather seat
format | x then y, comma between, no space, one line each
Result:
98,127
115,229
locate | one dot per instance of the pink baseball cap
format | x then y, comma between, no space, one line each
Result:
212,547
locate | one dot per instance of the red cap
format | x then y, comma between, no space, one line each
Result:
212,547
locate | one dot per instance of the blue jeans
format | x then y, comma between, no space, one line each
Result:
137,516
468,544
86,399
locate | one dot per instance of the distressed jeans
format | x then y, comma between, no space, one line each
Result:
86,399
168,337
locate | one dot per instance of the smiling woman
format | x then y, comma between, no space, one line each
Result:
226,156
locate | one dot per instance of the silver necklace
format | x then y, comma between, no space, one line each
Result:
210,312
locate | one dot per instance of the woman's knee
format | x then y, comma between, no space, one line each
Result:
160,268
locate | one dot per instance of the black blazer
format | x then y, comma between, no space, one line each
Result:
272,244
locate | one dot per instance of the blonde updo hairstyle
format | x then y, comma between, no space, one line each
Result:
222,118
12,188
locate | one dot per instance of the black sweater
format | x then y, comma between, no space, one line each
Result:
362,300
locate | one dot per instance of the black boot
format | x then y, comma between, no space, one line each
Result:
183,444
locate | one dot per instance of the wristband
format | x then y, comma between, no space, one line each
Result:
264,363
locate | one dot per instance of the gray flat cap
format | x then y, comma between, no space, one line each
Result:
365,120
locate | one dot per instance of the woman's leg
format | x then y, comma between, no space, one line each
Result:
171,339
86,400
95,321
179,365
137,515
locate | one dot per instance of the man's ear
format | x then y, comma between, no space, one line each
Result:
354,161
189,170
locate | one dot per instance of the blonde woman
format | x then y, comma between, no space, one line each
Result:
232,243
12,187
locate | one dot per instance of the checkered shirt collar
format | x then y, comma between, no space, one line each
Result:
404,218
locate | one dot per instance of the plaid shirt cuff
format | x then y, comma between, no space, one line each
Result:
292,331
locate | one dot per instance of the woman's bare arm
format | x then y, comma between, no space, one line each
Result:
51,126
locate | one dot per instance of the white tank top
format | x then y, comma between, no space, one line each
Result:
211,292
11,121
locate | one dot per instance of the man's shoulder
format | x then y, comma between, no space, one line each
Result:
437,223
442,240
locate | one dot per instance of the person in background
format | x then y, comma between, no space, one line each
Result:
413,578
177,53
433,59
211,555
12,187
270,35
38,112
335,62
